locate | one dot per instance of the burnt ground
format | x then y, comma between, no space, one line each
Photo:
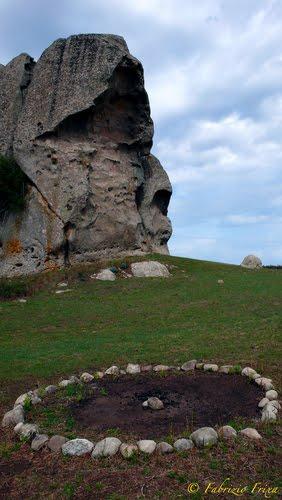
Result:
190,401
211,398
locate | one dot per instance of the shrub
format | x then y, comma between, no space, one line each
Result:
13,186
10,289
114,269
124,265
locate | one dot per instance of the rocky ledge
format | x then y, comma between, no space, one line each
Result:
78,125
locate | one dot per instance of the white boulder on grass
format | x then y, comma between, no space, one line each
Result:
50,389
248,371
147,446
26,431
149,269
13,417
106,447
113,370
133,368
227,432
77,447
250,433
127,450
225,369
105,275
251,262
210,367
271,395
183,444
205,436
161,368
164,448
263,402
29,396
189,365
264,382
86,377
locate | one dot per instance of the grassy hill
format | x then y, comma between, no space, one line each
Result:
188,315
168,320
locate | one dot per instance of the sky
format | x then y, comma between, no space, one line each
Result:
213,73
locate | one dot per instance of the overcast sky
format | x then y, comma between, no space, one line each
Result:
213,72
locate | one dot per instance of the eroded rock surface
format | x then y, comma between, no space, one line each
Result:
78,124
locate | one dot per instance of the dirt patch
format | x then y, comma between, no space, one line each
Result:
190,401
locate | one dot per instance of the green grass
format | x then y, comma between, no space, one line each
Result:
146,320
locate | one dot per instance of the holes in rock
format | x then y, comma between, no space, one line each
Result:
161,200
139,195
13,187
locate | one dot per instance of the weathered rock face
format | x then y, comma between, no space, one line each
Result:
78,124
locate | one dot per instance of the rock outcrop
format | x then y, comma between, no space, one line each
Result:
78,124
251,262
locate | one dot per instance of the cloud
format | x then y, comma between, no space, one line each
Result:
213,72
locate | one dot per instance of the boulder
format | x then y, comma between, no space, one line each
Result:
13,417
133,369
77,447
56,442
205,436
128,450
163,448
263,402
251,262
264,382
154,403
225,369
248,372
50,389
113,370
26,431
147,446
29,396
106,275
161,368
78,124
39,441
227,432
106,447
189,365
146,368
149,269
209,367
271,394
86,377
250,433
183,444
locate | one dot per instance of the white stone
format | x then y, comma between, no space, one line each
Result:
113,370
155,403
225,369
227,432
269,414
264,382
77,447
147,446
263,402
189,365
164,448
50,389
145,404
26,430
56,442
29,396
86,377
66,290
254,376
63,284
99,374
250,433
251,262
276,404
65,383
132,368
183,444
199,366
220,282
205,436
271,395
248,371
22,301
39,441
146,368
148,269
13,417
106,447
106,275
127,450
209,367
161,368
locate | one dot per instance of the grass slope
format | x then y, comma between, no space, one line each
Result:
188,315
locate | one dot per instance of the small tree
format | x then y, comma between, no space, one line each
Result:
13,187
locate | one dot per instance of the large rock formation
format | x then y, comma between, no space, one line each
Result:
78,124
